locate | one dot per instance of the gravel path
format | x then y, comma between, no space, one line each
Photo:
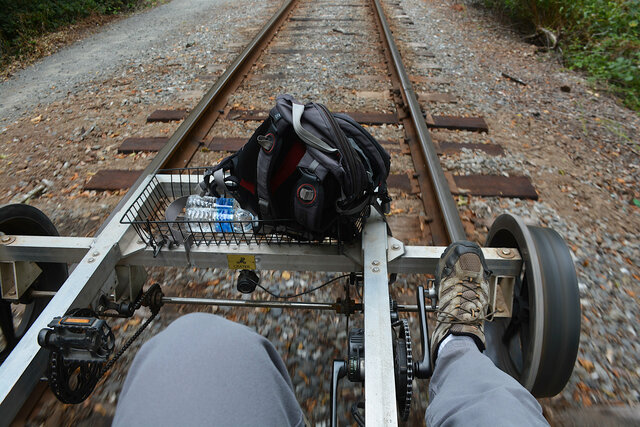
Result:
141,39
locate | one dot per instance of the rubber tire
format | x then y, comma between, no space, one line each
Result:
548,343
20,219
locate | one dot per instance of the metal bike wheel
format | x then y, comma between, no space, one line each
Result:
538,345
15,318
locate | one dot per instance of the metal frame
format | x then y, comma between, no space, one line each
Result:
119,245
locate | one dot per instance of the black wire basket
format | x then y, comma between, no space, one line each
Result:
148,216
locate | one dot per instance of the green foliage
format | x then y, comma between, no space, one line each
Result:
22,20
601,37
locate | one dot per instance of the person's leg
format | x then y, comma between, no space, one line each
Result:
205,370
468,389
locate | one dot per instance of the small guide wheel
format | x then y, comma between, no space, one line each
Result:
15,319
538,345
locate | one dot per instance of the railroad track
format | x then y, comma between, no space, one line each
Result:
392,99
377,90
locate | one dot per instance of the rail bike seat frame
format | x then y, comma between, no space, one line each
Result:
111,263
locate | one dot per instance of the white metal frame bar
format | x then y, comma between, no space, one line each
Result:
379,392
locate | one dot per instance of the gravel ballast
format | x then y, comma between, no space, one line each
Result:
62,120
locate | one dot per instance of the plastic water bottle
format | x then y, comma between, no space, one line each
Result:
217,215
195,201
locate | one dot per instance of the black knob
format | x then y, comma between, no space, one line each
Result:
247,281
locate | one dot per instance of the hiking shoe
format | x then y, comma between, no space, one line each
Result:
463,294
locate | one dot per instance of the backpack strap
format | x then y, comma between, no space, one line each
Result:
214,179
266,155
305,135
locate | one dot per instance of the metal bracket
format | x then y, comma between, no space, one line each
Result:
395,248
16,277
501,296
129,281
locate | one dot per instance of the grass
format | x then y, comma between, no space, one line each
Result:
30,29
600,37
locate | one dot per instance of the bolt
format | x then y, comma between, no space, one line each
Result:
91,260
395,246
96,253
506,253
376,269
375,262
6,239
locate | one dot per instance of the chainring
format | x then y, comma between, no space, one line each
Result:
403,367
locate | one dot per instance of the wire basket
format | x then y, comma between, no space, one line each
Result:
147,215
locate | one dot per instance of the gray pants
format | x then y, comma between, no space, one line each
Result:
467,389
205,370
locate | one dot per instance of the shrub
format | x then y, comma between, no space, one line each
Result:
601,37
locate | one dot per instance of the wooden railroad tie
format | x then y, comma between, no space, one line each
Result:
153,144
165,116
137,145
474,185
472,124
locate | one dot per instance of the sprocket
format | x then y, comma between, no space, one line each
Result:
403,367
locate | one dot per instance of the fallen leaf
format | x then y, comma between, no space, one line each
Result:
576,396
304,377
36,119
587,364
99,409
582,387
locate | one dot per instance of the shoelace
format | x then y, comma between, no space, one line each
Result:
469,285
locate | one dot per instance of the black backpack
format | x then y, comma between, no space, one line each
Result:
305,169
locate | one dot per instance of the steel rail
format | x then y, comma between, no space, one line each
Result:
449,215
186,140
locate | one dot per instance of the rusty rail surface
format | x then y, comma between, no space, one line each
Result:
446,226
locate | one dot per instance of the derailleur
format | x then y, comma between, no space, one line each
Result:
80,345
